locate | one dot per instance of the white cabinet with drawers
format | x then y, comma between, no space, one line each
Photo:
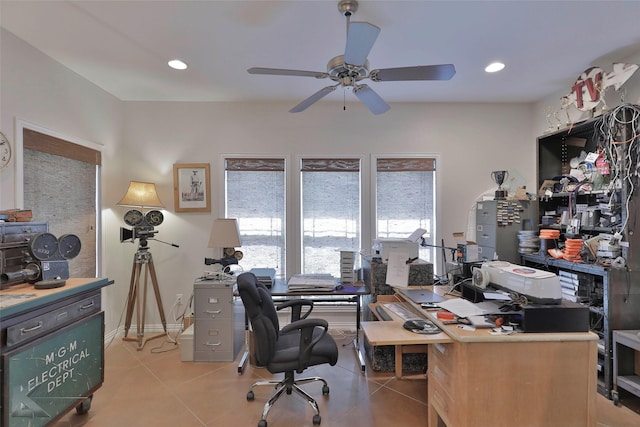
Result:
219,321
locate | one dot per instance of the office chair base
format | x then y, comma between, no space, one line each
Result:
289,386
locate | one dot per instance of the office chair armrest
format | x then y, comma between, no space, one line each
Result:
296,308
307,340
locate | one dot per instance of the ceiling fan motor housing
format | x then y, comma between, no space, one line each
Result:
348,7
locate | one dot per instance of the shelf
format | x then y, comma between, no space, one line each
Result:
597,270
631,383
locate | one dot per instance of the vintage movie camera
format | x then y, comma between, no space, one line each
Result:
142,226
29,253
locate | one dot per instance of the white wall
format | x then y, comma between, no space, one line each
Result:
472,140
142,140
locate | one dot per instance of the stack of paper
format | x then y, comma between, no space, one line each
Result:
311,282
347,273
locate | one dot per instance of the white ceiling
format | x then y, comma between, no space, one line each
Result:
123,46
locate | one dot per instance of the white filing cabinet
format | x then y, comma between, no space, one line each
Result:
219,321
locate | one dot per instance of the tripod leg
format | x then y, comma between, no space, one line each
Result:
133,291
156,290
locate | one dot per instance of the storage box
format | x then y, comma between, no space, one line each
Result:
467,251
186,345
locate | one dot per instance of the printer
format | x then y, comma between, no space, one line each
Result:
409,245
383,247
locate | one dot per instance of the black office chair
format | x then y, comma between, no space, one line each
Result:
302,343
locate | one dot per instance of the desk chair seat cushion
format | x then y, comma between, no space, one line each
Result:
287,353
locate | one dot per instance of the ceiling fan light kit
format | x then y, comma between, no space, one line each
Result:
349,69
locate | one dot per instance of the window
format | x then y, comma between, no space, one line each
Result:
405,199
330,212
331,208
255,195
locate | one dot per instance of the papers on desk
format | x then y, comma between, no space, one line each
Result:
462,308
311,282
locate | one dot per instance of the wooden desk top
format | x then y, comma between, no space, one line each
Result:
24,296
485,335
392,333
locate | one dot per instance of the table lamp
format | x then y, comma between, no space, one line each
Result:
225,234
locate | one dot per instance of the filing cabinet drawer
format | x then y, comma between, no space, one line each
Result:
442,355
486,213
213,341
486,234
213,303
486,253
443,403
50,321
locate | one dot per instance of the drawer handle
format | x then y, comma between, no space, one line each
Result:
442,349
213,344
213,311
33,328
87,306
440,375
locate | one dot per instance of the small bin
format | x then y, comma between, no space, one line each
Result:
186,345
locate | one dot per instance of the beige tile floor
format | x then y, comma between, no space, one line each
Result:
153,387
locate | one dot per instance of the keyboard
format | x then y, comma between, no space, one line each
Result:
383,313
401,310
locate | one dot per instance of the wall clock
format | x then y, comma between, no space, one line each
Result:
5,151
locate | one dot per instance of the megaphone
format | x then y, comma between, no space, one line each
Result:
125,234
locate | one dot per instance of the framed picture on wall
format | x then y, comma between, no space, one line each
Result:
191,187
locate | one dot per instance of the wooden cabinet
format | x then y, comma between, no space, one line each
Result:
219,321
52,351
484,382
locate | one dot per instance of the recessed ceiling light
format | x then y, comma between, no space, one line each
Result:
177,64
494,67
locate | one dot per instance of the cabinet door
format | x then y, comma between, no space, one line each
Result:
52,374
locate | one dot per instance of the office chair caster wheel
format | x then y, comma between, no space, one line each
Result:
316,420
325,389
250,396
262,423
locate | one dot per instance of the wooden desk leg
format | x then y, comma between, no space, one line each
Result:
398,361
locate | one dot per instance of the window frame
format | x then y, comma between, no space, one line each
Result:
293,238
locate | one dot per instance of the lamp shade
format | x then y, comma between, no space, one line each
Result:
141,194
224,233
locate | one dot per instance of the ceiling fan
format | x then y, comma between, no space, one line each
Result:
349,69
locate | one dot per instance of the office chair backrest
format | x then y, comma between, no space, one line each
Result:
262,314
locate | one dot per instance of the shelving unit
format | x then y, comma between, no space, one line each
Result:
612,293
626,363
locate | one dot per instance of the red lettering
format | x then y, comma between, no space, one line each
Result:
592,87
577,88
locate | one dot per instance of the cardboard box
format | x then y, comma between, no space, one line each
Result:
467,251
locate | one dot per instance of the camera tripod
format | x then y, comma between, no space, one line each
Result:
142,258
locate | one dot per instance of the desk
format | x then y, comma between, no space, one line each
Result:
349,294
537,379
527,379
